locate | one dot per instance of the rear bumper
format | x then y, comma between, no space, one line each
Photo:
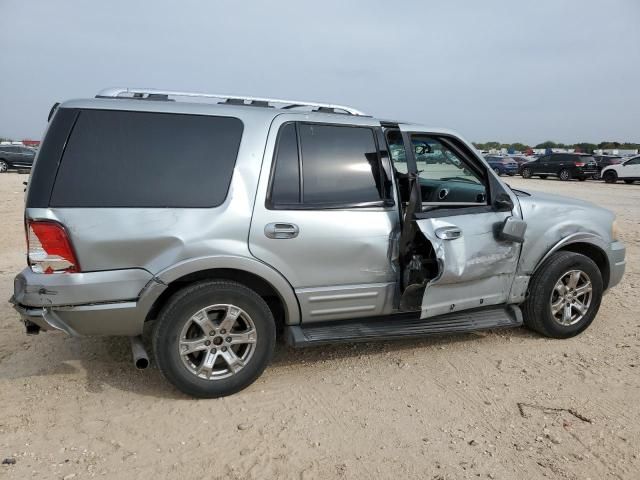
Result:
616,255
95,303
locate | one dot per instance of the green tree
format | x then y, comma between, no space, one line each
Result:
547,144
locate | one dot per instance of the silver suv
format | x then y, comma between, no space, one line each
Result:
230,221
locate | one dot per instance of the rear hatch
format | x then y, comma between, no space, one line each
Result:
587,163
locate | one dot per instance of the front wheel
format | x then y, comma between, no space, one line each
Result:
610,176
564,295
526,173
214,338
565,174
4,166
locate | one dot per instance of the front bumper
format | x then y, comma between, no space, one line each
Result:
616,255
94,303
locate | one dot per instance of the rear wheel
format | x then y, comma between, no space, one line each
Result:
564,295
565,174
610,176
526,173
498,172
4,166
214,338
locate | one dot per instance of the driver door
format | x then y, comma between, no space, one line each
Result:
464,207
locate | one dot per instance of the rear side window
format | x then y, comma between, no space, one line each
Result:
319,165
142,159
286,175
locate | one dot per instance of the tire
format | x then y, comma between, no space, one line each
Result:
628,182
543,295
564,175
4,166
498,172
526,173
610,176
543,176
582,179
211,303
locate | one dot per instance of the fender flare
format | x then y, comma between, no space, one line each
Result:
162,279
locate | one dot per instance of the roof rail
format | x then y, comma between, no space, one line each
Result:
145,93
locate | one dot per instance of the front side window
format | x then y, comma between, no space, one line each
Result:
445,176
319,165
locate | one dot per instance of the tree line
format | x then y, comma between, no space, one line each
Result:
585,147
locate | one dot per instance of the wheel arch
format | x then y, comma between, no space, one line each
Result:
261,278
589,246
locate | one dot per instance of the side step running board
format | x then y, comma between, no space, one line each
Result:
402,325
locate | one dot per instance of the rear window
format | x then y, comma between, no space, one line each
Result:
142,159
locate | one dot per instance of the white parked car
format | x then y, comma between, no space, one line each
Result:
628,171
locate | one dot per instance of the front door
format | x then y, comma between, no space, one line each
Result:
326,216
631,168
464,206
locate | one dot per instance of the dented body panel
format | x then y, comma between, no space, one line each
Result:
341,263
475,270
554,220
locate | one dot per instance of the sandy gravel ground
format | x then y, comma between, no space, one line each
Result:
503,405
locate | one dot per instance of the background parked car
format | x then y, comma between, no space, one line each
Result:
13,157
628,171
564,165
520,160
604,161
502,165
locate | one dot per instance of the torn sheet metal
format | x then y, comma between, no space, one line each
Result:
475,269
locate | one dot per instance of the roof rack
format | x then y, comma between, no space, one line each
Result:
155,94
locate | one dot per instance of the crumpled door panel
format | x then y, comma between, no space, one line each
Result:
475,269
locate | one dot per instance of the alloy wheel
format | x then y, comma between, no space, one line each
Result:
3,166
571,297
217,341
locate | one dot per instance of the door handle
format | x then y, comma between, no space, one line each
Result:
448,233
281,230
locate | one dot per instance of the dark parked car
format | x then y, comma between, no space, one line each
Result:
564,165
502,165
604,161
15,157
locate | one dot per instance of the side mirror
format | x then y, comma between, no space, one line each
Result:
503,203
513,230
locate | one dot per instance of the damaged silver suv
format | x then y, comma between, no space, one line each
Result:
224,222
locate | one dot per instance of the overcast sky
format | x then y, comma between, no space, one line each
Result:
565,70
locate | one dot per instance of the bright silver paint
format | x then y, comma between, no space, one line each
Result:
121,91
323,264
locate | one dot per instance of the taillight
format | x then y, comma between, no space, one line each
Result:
49,249
580,164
